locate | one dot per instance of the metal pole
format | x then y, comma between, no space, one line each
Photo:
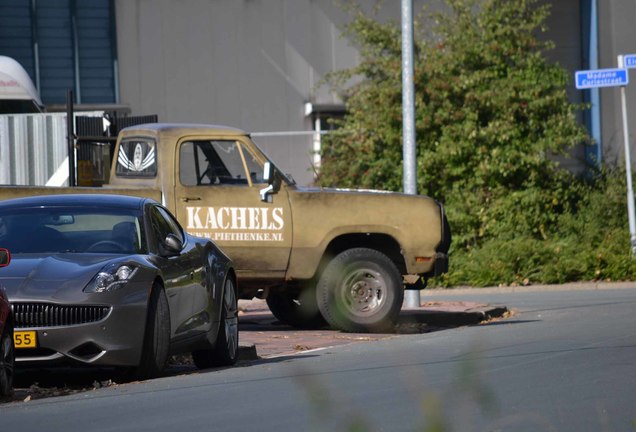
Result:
70,136
411,297
589,25
628,166
595,93
408,100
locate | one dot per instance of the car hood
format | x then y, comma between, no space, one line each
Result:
51,277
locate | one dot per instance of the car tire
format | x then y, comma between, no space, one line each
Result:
225,351
296,309
7,362
360,290
156,344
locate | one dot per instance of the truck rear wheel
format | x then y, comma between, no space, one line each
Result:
360,290
296,309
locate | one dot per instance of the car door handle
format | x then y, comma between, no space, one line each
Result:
187,199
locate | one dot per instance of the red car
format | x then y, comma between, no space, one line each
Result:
7,355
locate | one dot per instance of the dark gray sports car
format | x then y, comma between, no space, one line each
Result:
114,280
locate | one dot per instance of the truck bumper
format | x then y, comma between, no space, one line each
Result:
441,264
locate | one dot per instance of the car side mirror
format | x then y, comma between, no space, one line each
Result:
5,257
172,245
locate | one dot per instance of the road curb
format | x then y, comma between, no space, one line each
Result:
571,286
446,318
247,352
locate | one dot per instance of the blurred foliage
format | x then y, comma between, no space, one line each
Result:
491,114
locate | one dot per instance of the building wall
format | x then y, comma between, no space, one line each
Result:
63,45
253,64
564,29
617,34
250,64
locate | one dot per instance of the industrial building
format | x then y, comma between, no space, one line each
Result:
258,64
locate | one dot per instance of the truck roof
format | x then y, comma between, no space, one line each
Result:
185,128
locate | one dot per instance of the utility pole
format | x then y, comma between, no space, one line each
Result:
409,174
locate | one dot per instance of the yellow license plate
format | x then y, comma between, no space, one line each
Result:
25,339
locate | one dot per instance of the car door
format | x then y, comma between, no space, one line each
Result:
217,195
182,276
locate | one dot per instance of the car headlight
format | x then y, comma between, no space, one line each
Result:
111,278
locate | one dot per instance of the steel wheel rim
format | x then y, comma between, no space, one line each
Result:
231,318
363,292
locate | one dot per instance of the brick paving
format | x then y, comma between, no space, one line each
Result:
262,335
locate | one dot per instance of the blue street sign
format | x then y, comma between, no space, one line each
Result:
630,61
601,78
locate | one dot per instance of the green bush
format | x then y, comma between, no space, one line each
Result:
588,241
491,112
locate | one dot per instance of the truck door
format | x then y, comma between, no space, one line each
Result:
217,197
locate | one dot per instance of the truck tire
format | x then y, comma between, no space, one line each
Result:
298,309
360,290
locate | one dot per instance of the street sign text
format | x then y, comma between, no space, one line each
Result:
601,78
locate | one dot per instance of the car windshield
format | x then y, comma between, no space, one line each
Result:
72,229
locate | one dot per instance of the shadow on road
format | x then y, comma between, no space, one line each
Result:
264,339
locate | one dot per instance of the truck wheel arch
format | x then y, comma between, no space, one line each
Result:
381,242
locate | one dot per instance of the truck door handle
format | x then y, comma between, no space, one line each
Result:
187,199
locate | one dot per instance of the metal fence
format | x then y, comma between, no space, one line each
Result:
33,147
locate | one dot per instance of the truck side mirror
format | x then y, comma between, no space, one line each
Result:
266,193
267,172
273,182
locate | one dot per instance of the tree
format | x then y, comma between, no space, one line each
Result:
490,111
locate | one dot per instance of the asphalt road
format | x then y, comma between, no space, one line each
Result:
565,361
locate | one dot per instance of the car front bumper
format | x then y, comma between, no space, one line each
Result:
114,340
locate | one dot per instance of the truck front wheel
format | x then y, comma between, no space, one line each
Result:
360,290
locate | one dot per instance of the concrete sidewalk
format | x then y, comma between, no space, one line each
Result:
570,286
263,336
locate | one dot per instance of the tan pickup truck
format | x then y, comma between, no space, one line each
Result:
315,254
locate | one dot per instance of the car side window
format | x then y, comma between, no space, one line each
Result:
173,225
163,224
217,162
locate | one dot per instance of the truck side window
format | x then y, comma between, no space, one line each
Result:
214,163
254,167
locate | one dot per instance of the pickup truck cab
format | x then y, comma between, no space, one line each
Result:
315,254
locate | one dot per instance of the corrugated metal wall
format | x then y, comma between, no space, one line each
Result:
32,147
63,44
